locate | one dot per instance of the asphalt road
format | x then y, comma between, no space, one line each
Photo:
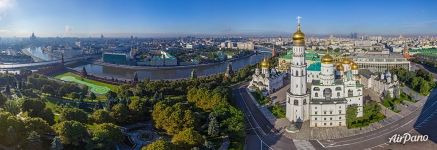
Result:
260,133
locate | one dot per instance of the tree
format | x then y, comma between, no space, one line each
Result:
3,100
56,144
8,89
12,106
48,115
33,107
38,125
138,108
158,145
415,83
172,119
71,132
12,129
12,136
101,116
33,141
187,139
425,88
206,99
106,135
135,80
84,73
120,112
48,89
75,114
93,96
213,126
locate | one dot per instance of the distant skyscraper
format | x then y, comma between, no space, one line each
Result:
101,36
32,37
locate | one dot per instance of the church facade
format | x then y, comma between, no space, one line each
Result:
267,80
323,99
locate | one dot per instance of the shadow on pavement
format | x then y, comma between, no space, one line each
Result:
427,120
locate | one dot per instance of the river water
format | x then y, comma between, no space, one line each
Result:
171,73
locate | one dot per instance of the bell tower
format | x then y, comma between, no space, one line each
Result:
297,98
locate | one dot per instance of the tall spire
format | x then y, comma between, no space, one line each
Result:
298,36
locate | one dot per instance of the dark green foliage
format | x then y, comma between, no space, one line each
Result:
70,114
371,114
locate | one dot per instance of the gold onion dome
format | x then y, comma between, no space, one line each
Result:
327,59
298,37
346,61
265,63
354,66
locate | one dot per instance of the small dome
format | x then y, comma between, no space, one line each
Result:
346,61
298,37
327,59
340,68
265,63
354,66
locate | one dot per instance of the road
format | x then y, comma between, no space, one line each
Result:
260,133
262,136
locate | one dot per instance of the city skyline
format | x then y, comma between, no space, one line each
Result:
174,18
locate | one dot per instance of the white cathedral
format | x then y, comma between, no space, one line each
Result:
324,103
268,80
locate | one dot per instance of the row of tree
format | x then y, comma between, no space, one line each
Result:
55,87
421,81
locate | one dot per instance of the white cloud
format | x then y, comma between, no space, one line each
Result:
5,6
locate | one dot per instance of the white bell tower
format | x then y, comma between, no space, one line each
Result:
297,98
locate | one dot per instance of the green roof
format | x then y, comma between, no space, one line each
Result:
315,67
309,55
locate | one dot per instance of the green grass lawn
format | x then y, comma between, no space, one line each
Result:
95,86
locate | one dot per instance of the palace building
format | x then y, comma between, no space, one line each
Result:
332,88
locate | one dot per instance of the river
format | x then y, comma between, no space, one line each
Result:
171,73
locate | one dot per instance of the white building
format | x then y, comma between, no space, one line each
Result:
245,45
324,103
385,84
268,80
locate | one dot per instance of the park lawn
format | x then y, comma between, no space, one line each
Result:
110,86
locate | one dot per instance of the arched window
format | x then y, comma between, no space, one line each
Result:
316,89
297,73
338,89
338,94
350,93
296,102
327,93
304,101
316,94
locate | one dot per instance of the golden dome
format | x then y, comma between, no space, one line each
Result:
346,61
265,63
340,68
337,64
354,66
298,37
327,59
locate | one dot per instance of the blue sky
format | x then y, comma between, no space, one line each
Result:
125,17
